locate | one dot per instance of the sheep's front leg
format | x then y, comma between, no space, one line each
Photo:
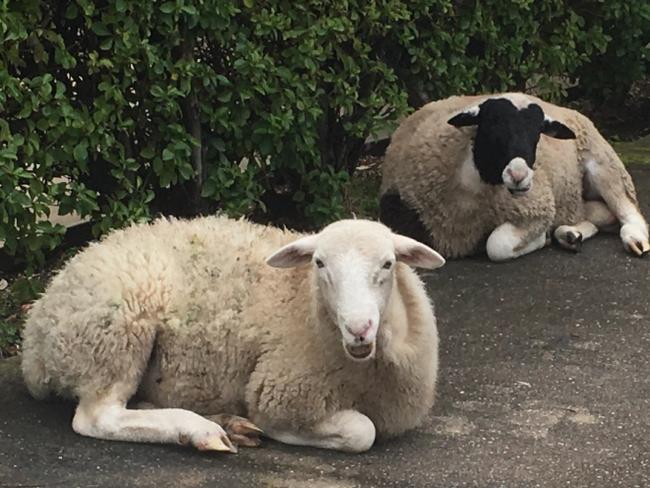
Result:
508,242
347,430
572,236
108,418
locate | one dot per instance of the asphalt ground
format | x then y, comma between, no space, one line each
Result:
543,382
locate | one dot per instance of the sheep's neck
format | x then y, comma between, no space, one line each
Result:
399,333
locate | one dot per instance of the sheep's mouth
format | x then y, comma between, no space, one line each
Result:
361,352
519,191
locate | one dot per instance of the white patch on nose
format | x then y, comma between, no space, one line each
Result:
517,176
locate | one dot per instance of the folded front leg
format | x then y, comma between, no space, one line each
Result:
108,418
347,430
509,241
572,236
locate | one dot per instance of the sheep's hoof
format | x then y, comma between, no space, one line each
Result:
241,431
641,249
573,241
635,239
216,442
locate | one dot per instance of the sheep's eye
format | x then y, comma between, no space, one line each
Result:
320,263
387,265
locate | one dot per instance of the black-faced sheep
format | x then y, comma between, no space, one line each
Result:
470,171
187,317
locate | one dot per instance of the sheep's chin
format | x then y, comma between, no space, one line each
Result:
360,353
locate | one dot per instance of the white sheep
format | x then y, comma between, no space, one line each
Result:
187,317
470,171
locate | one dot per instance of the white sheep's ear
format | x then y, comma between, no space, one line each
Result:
466,117
553,128
416,254
294,254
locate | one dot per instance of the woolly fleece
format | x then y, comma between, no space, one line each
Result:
425,152
187,314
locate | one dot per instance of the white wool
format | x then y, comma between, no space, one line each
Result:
188,315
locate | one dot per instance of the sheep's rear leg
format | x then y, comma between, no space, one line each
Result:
347,430
611,182
108,418
241,431
599,214
508,242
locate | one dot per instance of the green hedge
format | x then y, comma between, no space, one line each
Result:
257,107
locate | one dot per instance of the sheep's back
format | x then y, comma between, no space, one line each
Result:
228,313
186,286
421,164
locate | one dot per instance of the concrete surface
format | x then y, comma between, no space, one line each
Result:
544,382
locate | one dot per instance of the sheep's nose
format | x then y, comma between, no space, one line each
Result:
360,333
516,175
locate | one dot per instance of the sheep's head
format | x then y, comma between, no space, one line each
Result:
354,264
506,140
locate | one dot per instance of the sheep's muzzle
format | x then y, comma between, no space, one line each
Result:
360,352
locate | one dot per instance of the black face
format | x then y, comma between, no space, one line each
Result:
505,132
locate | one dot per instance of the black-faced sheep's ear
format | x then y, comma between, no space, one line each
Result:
553,128
416,254
294,254
466,117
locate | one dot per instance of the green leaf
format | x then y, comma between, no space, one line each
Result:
80,152
266,146
100,29
157,91
209,188
168,7
186,171
148,152
25,111
71,11
224,96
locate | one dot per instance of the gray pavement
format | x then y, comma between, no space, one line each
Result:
544,382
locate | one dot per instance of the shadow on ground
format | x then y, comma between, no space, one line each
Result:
544,382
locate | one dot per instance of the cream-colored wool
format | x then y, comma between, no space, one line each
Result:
187,314
422,165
